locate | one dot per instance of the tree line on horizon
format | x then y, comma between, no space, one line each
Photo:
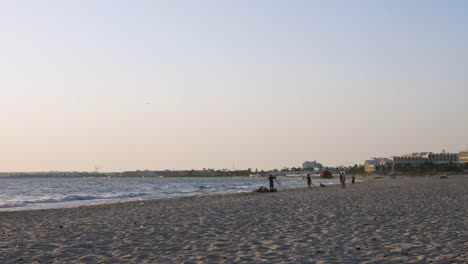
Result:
427,168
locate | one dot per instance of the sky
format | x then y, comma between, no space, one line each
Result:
127,85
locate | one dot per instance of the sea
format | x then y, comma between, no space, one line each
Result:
44,193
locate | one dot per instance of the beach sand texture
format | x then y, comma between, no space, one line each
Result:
379,221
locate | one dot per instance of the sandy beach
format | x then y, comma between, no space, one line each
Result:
417,220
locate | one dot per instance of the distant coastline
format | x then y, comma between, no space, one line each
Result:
206,173
130,174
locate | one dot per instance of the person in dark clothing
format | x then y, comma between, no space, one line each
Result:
353,179
272,182
344,181
309,181
341,180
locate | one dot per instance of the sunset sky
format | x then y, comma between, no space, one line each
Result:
126,85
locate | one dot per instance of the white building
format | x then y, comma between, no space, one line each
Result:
312,165
374,164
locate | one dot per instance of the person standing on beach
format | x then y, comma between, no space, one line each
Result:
344,181
353,179
309,181
341,180
272,182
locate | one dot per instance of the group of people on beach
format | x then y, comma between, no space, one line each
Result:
343,179
272,180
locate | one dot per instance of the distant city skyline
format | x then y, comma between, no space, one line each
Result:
135,85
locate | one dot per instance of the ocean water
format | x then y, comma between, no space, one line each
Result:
41,193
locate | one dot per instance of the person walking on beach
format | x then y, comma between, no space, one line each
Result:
309,181
272,182
353,179
344,181
341,180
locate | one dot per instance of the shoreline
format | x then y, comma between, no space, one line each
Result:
110,203
100,202
91,198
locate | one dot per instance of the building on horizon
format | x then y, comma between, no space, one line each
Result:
416,159
375,164
312,165
463,156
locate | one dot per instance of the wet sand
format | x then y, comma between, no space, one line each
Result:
378,221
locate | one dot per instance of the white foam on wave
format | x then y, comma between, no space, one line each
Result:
65,199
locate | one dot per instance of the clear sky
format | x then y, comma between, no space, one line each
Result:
128,85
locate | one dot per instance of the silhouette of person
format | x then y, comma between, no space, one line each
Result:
272,182
309,181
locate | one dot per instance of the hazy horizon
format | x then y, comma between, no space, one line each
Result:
128,85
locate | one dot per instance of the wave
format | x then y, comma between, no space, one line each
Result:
62,193
69,198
